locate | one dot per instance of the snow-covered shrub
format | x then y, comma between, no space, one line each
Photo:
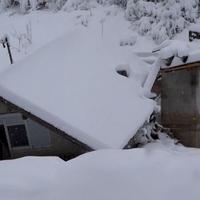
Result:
25,5
23,40
121,3
162,19
4,4
80,4
55,4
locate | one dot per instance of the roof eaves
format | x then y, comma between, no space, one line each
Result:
47,125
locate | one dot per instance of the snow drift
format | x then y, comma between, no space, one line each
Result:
152,173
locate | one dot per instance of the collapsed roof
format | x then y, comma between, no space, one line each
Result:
72,84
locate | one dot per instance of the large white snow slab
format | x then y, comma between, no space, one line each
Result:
157,172
72,84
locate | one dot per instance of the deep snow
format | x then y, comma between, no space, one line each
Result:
159,171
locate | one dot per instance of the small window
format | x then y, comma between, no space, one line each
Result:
18,136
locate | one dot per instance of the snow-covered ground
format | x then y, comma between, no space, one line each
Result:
159,171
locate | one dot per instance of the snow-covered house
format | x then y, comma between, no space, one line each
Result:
71,97
180,96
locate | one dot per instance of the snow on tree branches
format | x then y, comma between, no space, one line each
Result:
162,19
159,19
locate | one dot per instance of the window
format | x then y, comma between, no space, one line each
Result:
18,136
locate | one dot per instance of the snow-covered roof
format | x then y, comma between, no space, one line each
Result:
193,56
72,84
178,50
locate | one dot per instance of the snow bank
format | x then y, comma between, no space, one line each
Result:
72,83
157,172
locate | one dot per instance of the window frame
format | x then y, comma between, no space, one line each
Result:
26,132
20,121
23,122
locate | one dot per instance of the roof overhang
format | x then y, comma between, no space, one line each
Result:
27,114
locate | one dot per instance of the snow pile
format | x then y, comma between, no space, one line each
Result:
158,172
174,52
72,83
172,48
175,48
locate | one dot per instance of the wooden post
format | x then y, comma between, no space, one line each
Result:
5,43
9,51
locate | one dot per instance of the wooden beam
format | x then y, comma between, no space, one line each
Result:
187,66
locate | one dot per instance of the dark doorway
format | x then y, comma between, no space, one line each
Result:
4,149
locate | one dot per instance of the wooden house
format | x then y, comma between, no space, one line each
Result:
67,99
